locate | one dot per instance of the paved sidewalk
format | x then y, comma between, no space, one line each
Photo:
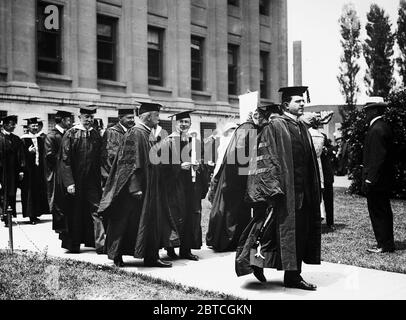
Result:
215,271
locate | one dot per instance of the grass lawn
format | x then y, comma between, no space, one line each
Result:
29,276
348,244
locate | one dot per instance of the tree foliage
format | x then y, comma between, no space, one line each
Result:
401,39
378,52
354,131
350,28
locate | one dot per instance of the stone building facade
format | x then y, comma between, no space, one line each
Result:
186,54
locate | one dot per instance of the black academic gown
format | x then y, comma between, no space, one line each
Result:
184,196
12,162
230,214
79,165
284,176
136,227
53,143
34,197
112,139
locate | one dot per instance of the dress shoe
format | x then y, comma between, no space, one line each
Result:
380,250
331,228
171,253
118,262
189,256
73,251
259,273
157,263
301,285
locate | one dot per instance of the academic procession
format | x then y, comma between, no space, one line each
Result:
135,189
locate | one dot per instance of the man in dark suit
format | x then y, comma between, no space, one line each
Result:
327,164
378,172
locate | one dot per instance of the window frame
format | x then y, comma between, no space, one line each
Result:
263,70
200,62
234,50
158,81
58,59
113,22
264,7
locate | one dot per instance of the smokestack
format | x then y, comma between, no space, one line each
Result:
297,63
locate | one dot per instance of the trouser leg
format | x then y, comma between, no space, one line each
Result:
381,215
328,197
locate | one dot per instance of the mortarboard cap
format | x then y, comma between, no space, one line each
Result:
122,111
7,119
90,109
149,107
33,120
63,114
181,115
294,91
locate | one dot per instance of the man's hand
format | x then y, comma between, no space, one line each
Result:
32,149
138,195
21,176
71,190
186,165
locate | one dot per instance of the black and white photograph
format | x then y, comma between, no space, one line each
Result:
221,152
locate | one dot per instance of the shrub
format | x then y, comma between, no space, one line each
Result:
354,129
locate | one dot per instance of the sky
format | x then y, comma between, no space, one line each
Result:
315,23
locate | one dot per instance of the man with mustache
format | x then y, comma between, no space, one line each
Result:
79,189
285,180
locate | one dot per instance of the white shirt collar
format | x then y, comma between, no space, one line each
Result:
292,116
81,127
5,132
60,129
374,119
124,128
148,128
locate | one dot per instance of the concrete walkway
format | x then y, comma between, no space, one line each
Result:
215,271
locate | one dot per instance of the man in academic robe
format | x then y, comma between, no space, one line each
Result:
137,222
53,141
378,174
112,139
78,190
186,184
34,197
12,164
230,214
284,184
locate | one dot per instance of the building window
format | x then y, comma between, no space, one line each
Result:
197,63
264,57
106,47
155,56
49,35
235,3
232,69
264,7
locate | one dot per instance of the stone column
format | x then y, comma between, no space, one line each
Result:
279,47
250,46
138,38
218,28
21,56
183,48
87,50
